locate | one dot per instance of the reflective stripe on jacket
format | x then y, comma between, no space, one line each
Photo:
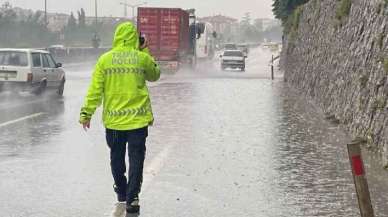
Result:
119,82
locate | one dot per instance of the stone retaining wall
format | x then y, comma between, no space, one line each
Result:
341,62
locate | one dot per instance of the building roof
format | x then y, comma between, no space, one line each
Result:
219,19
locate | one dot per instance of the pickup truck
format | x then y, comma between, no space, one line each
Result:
234,59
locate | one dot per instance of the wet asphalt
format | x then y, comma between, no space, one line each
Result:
224,144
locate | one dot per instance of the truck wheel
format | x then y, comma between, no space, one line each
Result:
61,88
41,89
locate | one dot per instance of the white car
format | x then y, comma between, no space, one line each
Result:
30,70
234,59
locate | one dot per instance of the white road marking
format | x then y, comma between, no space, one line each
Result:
154,167
21,119
150,171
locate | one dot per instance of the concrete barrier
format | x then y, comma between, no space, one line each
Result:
76,54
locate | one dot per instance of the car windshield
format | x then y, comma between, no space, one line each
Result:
233,53
13,58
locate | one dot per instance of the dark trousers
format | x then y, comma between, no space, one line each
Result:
117,142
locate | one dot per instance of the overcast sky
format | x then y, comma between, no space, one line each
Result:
234,8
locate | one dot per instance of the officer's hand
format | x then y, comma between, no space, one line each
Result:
145,44
86,125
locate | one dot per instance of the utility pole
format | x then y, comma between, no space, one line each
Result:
45,13
95,12
126,5
125,8
96,40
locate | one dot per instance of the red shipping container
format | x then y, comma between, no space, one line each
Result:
167,31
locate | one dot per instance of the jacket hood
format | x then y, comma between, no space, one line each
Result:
126,36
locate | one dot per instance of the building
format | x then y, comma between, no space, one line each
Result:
56,22
268,23
103,20
221,24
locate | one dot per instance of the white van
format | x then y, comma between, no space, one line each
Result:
30,70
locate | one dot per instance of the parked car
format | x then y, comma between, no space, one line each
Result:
234,59
30,70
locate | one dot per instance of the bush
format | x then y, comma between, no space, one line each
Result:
283,9
380,40
385,65
344,9
292,24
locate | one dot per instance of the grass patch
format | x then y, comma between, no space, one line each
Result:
379,104
363,81
380,40
385,65
344,9
380,7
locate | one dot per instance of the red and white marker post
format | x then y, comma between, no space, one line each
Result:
360,181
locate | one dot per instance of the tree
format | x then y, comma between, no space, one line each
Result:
23,30
246,20
81,18
72,22
258,23
282,9
6,6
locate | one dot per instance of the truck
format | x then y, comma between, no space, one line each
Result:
205,45
170,35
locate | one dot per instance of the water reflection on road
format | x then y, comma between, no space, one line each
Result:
223,144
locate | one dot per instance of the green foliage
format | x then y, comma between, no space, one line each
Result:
380,7
292,24
81,18
72,22
316,3
283,9
363,81
380,40
379,104
344,9
251,30
385,65
30,31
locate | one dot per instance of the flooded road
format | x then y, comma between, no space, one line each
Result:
224,144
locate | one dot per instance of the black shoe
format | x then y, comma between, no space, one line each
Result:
120,196
133,207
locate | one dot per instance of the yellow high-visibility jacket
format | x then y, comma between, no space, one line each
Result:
119,82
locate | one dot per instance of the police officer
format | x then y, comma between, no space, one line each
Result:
119,83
